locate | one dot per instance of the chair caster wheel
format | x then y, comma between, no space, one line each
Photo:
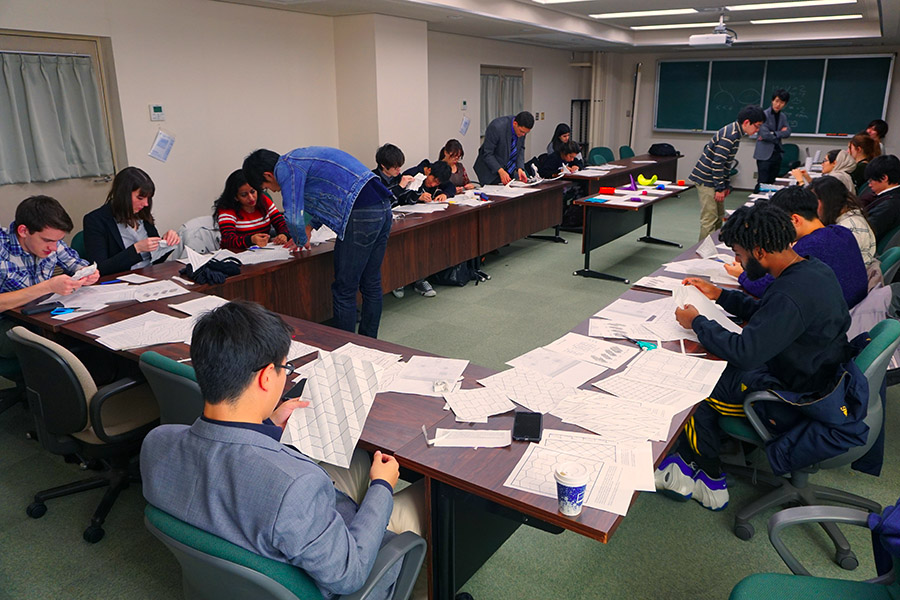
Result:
744,531
846,560
93,534
36,510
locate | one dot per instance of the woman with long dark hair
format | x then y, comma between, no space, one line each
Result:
246,217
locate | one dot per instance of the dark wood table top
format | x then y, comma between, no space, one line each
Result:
646,200
631,165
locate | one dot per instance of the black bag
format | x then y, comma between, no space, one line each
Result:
458,275
663,150
214,272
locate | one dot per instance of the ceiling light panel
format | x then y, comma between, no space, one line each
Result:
645,13
805,19
674,26
798,4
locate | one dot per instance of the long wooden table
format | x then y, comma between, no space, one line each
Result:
664,167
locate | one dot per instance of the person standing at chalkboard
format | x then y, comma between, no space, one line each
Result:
775,128
712,173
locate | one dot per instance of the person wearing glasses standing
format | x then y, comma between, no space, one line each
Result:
501,157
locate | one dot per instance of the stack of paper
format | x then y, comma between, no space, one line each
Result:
660,282
533,390
198,306
156,290
615,419
147,329
636,458
424,208
427,376
561,367
596,351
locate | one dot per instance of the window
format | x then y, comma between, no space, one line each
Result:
502,93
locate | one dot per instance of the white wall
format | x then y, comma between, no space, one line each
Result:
231,79
691,144
454,75
356,76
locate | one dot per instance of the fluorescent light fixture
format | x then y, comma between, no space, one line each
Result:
805,19
674,26
644,13
799,4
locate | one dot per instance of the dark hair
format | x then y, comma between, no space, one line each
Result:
441,171
451,147
797,200
762,225
389,156
228,200
834,196
865,143
231,343
782,94
569,147
37,213
561,129
880,127
751,113
831,155
119,200
259,162
887,164
524,119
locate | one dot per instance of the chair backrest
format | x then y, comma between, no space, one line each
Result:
890,262
58,386
596,157
78,244
201,234
888,240
625,152
873,362
216,569
790,159
606,153
175,386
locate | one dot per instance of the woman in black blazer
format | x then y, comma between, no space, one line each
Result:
125,218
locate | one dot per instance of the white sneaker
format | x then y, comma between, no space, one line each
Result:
424,288
675,478
711,493
398,293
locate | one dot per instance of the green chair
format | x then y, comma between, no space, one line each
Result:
888,240
872,361
216,569
890,262
790,159
78,244
600,155
625,152
175,386
800,586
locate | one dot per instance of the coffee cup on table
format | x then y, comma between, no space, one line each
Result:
571,483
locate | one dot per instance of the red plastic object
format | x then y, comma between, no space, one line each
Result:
681,182
607,190
643,192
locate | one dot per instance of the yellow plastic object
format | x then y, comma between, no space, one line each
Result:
644,181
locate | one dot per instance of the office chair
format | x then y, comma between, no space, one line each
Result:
10,369
215,569
888,241
890,262
175,386
790,159
600,155
626,152
73,417
800,586
78,244
872,361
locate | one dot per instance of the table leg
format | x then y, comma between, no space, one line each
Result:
550,238
586,271
649,239
442,540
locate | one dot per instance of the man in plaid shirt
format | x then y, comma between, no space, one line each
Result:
30,250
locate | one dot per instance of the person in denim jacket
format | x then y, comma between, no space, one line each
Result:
326,186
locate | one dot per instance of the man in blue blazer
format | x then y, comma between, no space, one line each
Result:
228,474
502,155
768,149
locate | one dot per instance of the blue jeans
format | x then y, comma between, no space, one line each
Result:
357,266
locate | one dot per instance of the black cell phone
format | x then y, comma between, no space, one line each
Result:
295,391
527,426
41,308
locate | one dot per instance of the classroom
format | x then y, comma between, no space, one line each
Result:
232,76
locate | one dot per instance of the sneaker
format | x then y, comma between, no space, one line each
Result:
711,493
398,293
675,478
424,288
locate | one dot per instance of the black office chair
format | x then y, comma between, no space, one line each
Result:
176,389
10,370
72,416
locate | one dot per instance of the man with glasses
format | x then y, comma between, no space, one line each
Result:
228,473
502,155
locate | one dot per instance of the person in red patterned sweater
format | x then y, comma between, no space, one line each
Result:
246,218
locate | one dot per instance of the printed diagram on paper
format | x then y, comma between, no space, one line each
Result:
476,405
341,390
531,389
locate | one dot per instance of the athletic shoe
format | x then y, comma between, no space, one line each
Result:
711,493
675,478
398,293
424,288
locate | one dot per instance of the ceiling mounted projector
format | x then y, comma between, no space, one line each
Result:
721,37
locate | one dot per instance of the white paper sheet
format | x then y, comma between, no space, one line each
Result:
299,350
423,208
671,400
199,306
95,295
476,405
135,278
635,458
321,235
531,389
561,367
659,282
688,294
582,347
472,438
157,290
85,272
615,419
628,311
696,266
604,328
502,190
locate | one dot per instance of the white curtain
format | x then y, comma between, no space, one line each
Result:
490,100
512,93
51,126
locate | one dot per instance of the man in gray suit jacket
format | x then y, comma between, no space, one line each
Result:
768,149
228,474
502,155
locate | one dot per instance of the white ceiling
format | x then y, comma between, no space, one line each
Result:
568,26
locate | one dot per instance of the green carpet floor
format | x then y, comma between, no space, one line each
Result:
663,549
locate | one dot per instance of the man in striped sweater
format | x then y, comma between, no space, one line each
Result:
712,171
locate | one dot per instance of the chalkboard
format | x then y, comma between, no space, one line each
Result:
829,95
731,89
686,81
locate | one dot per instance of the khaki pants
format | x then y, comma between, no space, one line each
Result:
409,504
711,212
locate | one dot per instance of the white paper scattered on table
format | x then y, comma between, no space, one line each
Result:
472,438
688,294
533,390
659,282
561,367
321,235
596,351
424,208
502,190
200,305
636,458
629,311
604,328
299,350
615,419
135,278
157,290
94,295
476,405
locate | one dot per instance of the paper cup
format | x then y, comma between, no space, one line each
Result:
571,483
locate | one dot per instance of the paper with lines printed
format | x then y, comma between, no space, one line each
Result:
659,282
531,389
596,351
636,458
561,367
615,419
157,290
688,294
473,438
340,390
476,405
198,306
299,349
605,328
673,401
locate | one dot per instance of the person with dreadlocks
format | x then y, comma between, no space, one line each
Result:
795,339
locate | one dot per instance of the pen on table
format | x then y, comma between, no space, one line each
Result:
183,360
111,281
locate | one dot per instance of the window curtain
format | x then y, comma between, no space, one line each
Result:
52,125
490,100
512,92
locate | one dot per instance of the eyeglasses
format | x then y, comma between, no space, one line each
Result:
288,369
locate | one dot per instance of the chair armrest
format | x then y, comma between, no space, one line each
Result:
103,394
813,514
408,545
753,417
